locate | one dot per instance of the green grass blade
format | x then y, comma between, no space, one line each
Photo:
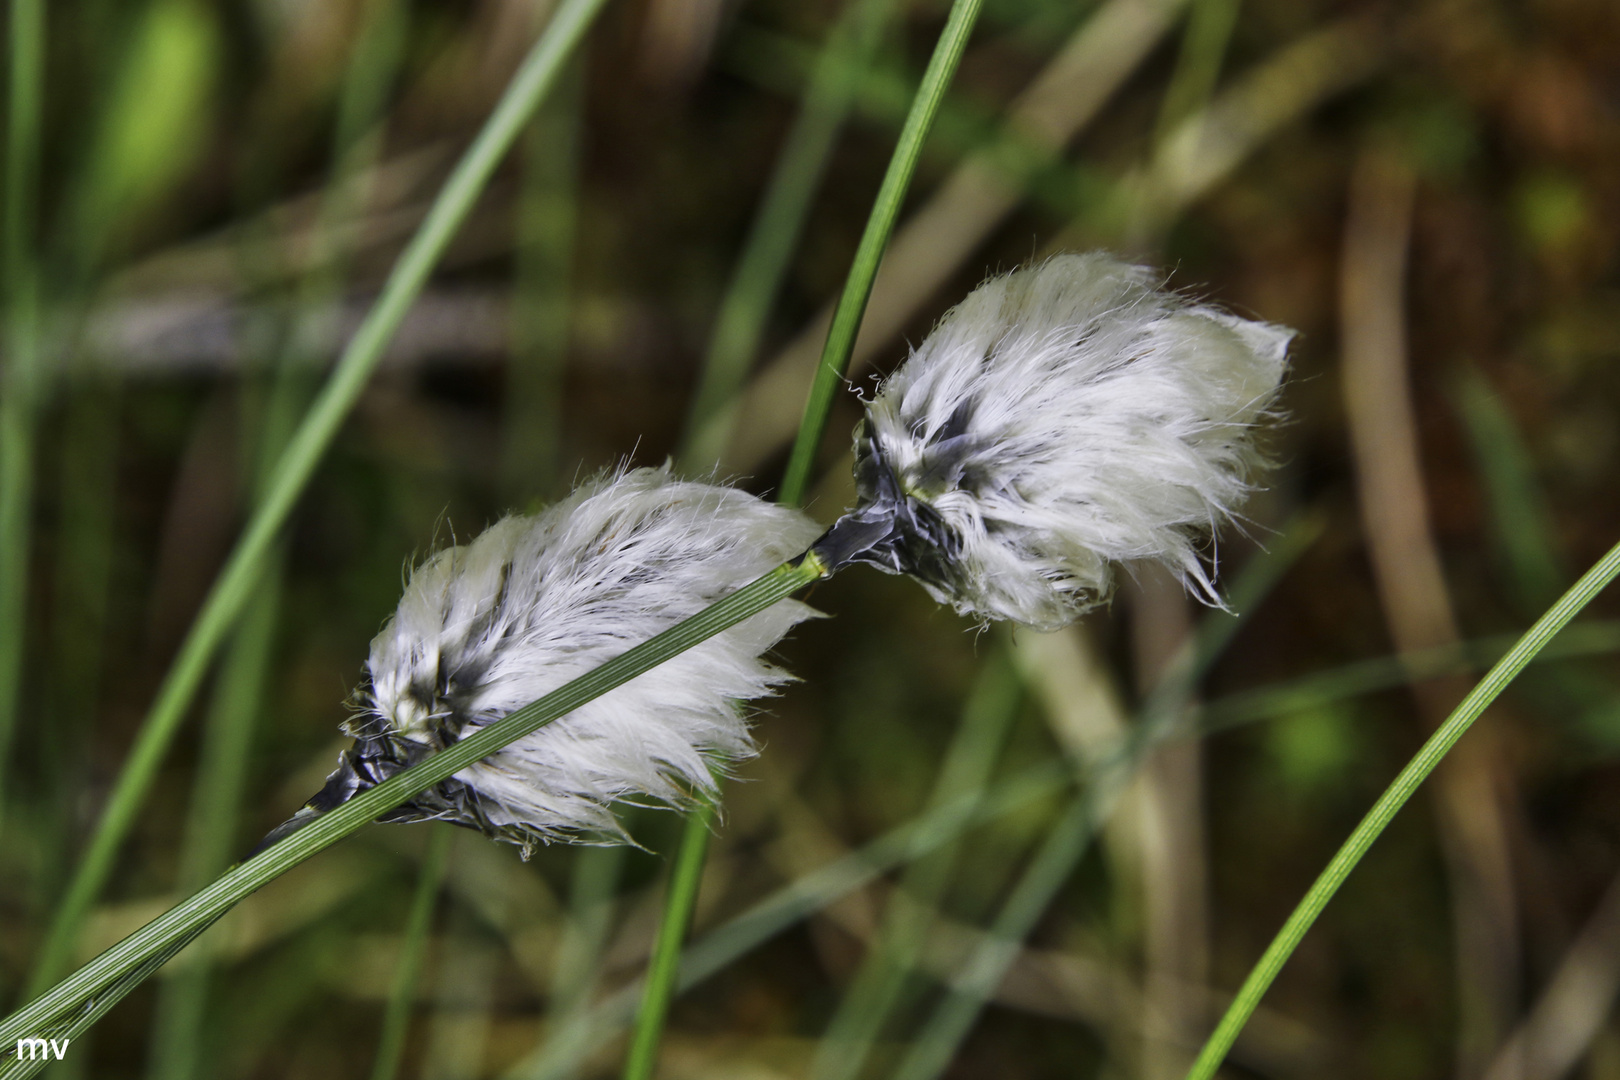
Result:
412,950
1518,513
547,221
19,382
578,966
846,321
680,901
214,815
158,938
319,427
876,988
681,898
776,228
1198,66
1390,803
222,768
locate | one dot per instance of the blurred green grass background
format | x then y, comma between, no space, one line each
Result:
221,190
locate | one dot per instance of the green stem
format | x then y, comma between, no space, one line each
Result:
681,898
412,949
235,583
1390,803
19,392
108,972
846,322
662,970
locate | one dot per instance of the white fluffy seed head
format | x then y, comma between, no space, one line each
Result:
1066,417
485,628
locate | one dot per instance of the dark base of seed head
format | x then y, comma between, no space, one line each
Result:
373,759
889,529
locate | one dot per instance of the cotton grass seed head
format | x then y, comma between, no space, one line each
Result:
487,627
1063,418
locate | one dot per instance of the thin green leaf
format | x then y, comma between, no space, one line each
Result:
1390,803
163,936
776,228
319,427
846,320
19,384
412,949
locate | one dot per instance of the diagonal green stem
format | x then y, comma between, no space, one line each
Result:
413,947
664,966
681,899
108,973
1390,803
846,322
235,583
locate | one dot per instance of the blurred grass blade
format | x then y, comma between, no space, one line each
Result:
212,823
663,967
681,898
547,214
147,137
1522,530
846,321
1069,838
109,973
465,970
776,228
1198,65
1519,514
222,768
570,1017
412,950
245,565
1313,691
875,990
1390,803
20,378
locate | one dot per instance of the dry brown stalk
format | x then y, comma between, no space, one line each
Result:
1472,789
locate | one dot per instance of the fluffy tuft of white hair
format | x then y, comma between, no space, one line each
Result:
534,601
1069,416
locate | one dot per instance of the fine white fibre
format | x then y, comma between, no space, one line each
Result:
1065,417
533,602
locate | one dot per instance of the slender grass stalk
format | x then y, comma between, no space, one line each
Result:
547,215
777,226
578,963
228,731
1389,804
681,898
1070,837
19,387
1198,65
464,977
412,950
211,828
245,565
876,988
846,320
1519,514
679,903
110,972
1536,571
